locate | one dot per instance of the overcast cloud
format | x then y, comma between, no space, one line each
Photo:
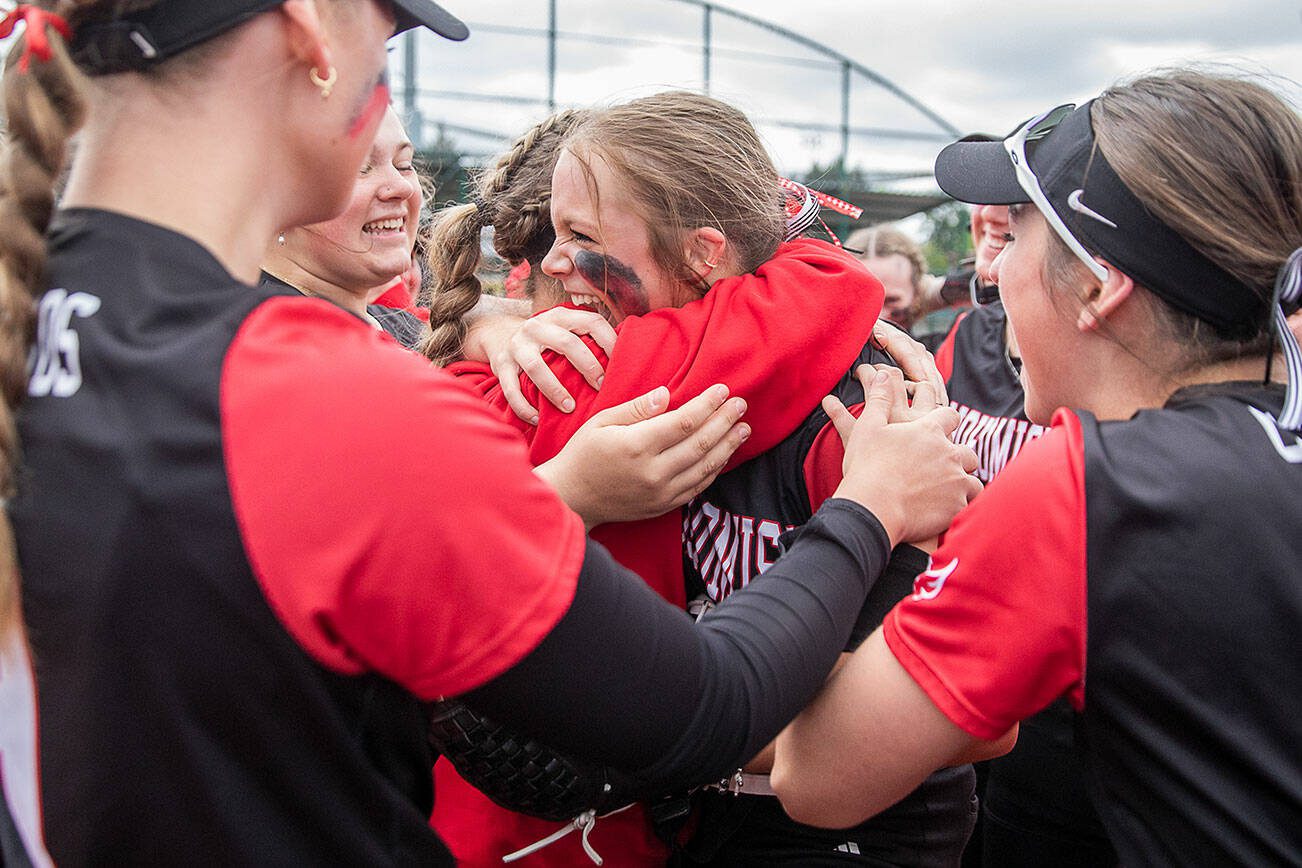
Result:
980,67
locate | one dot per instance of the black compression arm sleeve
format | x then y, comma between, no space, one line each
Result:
625,679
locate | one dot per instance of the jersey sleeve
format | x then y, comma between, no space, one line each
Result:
824,462
333,438
780,338
479,378
995,628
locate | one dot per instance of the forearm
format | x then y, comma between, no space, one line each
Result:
870,738
551,473
626,680
762,762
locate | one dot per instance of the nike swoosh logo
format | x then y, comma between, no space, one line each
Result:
1075,204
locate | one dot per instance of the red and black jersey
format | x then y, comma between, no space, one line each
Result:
1038,787
758,333
985,390
232,645
1150,575
781,338
731,536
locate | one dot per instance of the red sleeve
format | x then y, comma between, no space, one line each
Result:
945,352
995,629
480,379
824,463
309,396
780,338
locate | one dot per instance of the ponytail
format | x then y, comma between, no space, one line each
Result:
44,106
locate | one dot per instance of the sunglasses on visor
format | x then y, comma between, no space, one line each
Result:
1037,128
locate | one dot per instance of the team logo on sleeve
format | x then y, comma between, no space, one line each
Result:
927,586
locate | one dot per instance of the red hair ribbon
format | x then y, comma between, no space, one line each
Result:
840,206
802,206
38,41
515,280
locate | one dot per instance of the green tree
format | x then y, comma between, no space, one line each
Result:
949,238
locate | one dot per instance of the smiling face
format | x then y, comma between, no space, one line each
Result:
370,243
989,225
602,254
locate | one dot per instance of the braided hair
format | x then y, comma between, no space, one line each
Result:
44,107
514,198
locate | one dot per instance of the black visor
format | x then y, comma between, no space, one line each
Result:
1106,218
146,38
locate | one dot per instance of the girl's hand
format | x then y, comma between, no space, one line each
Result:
635,461
918,364
899,461
521,350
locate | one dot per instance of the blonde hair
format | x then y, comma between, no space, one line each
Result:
44,106
514,197
689,161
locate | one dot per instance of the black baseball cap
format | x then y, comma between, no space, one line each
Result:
1106,218
142,39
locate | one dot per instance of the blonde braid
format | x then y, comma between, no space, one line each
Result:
513,197
454,288
44,106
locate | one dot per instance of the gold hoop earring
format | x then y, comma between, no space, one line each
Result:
712,265
326,84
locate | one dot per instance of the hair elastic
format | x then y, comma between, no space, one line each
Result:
38,41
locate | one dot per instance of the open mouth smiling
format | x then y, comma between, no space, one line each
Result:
385,227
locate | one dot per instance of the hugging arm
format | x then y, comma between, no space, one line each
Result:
625,679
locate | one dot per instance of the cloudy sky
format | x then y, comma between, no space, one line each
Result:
978,66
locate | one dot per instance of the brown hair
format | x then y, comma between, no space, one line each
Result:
44,106
514,197
689,161
1219,160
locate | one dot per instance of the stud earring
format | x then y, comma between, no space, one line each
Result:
280,239
326,84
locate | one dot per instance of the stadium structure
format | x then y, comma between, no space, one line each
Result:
862,135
